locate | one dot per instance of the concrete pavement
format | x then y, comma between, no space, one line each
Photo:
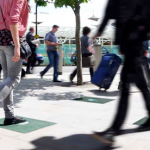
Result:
43,100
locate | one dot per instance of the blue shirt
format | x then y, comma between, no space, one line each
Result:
50,36
85,43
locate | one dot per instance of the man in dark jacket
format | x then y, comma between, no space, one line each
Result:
132,36
32,58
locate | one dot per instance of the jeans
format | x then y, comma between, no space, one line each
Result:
53,57
12,76
139,75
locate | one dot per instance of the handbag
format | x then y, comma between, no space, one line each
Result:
6,40
88,61
74,57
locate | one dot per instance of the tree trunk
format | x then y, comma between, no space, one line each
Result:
78,45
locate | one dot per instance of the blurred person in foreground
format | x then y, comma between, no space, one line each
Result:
87,50
52,52
13,24
32,59
146,47
134,33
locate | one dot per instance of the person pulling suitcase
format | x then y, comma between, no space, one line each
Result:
87,53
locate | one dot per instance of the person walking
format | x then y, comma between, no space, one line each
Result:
52,52
146,47
32,59
14,25
87,50
135,71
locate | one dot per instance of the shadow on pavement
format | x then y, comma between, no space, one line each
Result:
36,87
105,93
59,96
74,84
74,142
109,93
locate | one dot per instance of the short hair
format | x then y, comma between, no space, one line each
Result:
86,30
31,28
55,26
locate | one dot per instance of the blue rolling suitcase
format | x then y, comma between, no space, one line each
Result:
106,71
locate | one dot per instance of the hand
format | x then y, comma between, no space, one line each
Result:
56,44
37,45
16,57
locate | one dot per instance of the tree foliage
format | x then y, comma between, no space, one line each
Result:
71,3
60,3
43,2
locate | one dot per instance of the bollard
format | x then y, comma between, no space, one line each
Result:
60,59
98,55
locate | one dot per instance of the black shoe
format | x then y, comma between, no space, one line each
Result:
57,81
41,75
71,78
145,126
106,137
15,120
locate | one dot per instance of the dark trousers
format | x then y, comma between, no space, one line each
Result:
53,57
75,72
23,73
31,61
137,74
90,69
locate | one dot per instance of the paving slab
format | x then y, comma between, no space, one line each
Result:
44,100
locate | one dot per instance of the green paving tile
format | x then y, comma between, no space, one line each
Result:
140,122
33,125
94,100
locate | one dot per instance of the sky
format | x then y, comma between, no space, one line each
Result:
65,17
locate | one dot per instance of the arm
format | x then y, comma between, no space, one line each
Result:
88,44
103,25
50,43
47,41
15,36
105,20
13,21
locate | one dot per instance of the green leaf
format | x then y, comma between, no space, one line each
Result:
60,3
